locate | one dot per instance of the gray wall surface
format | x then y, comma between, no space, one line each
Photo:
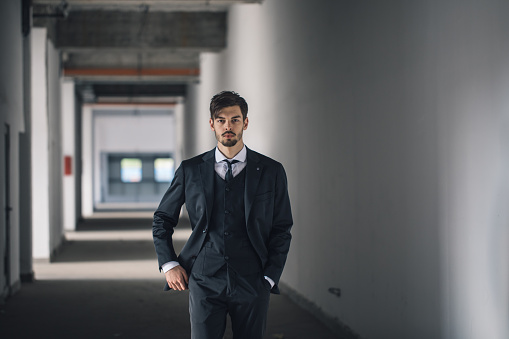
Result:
11,114
391,121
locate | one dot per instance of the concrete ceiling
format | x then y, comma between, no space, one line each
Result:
132,41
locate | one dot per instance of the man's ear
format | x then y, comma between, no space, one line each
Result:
246,122
211,122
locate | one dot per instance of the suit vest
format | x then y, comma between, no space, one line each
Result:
227,241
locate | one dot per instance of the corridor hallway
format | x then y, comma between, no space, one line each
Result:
104,283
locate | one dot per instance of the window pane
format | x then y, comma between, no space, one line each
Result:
163,169
130,170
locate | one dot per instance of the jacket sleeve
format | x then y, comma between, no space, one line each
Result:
280,237
166,218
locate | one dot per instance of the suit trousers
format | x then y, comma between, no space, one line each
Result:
244,298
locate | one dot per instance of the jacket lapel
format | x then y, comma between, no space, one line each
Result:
253,173
207,178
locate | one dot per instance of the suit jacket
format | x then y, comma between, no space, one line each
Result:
267,210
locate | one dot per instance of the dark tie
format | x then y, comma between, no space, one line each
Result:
229,173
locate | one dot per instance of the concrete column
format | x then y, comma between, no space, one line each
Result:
200,94
87,199
46,147
55,147
179,130
68,150
40,147
188,133
26,267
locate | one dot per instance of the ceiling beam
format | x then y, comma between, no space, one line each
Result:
130,93
115,72
152,5
141,30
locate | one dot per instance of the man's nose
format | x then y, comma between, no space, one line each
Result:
227,125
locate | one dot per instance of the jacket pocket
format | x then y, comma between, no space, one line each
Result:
263,196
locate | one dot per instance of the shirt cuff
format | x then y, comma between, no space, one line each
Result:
271,282
169,265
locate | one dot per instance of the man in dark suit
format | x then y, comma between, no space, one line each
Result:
239,209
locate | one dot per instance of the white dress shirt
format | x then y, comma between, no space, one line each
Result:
221,168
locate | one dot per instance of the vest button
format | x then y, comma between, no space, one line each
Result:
226,212
205,231
226,257
226,233
227,189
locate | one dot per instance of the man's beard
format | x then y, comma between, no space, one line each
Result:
229,142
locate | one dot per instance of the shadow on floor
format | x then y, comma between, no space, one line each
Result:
108,224
79,296
106,250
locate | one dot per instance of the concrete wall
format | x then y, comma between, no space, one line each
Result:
11,115
391,121
472,81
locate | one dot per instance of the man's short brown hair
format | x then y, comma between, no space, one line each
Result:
227,99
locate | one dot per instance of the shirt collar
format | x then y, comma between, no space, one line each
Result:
241,156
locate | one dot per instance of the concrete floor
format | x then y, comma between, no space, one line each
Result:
104,283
